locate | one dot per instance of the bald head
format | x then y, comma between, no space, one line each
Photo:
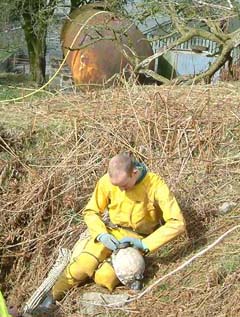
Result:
120,163
122,171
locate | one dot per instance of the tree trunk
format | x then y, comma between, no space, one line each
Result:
36,49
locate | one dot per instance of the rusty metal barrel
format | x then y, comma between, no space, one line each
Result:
107,45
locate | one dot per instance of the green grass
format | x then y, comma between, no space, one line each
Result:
9,93
18,85
75,218
230,264
165,299
4,55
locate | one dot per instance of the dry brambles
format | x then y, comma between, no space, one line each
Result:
52,151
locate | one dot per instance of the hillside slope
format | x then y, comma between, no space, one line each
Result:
52,151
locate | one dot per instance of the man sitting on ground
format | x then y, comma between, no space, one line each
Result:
142,211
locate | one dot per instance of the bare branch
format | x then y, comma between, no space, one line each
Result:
216,6
154,75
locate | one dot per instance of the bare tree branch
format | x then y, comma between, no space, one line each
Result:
216,6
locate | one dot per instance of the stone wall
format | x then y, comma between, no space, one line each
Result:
54,54
11,45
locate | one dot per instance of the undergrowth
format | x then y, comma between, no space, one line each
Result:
53,151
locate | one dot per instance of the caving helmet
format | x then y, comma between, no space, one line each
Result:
129,266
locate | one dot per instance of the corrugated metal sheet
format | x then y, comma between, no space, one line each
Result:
189,46
184,58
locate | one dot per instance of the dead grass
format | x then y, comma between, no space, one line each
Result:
53,151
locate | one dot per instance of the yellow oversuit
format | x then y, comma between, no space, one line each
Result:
148,211
3,307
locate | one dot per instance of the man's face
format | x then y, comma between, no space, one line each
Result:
123,180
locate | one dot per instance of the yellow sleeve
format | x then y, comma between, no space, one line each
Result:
3,307
173,218
95,208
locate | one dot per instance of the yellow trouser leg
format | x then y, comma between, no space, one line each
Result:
87,254
105,276
81,267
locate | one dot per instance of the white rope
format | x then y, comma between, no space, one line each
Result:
47,284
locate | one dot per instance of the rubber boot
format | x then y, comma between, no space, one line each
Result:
13,311
46,308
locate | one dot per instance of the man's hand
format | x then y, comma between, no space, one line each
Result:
136,243
108,240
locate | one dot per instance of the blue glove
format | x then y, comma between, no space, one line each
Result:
108,240
136,243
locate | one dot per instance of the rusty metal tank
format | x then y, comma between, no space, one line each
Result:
97,53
